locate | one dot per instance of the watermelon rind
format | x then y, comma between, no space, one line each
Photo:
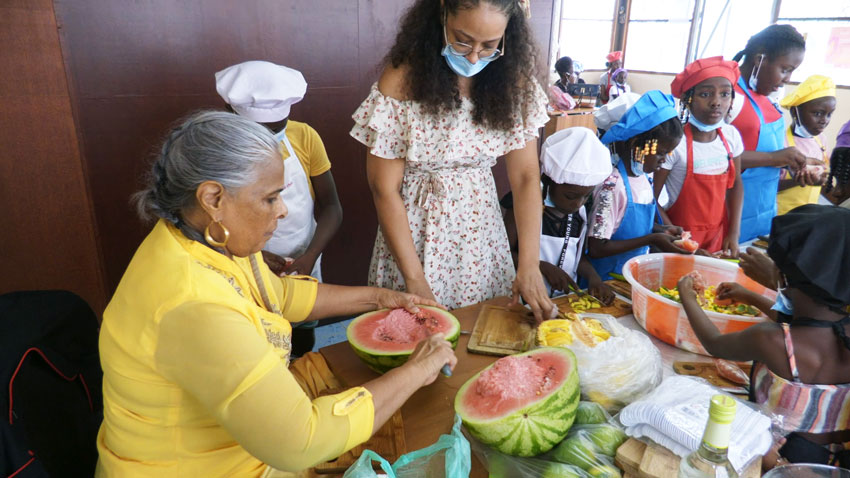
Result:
381,361
536,428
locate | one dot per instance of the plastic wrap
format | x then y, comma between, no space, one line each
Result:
587,451
675,414
619,370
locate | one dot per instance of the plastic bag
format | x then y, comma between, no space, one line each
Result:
587,451
674,416
620,370
449,457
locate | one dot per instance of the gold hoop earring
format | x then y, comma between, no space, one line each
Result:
212,241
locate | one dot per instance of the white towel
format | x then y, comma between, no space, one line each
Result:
674,416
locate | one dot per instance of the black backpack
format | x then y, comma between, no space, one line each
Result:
51,399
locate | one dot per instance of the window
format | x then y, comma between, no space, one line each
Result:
585,32
827,32
727,25
658,35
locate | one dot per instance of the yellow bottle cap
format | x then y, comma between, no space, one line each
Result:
722,409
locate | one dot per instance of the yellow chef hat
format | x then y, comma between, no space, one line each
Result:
815,86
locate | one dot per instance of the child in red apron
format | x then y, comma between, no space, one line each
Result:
622,222
769,59
573,162
702,176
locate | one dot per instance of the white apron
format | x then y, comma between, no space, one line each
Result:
295,231
564,252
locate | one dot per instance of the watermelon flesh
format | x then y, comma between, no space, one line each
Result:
522,405
384,339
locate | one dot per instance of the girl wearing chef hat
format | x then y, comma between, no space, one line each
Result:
703,174
622,221
264,92
811,105
800,362
614,62
573,162
768,61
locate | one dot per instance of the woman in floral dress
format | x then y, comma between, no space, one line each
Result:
456,93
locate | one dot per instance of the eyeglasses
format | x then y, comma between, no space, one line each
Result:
462,49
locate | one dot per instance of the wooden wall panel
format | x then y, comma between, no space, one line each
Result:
46,230
138,66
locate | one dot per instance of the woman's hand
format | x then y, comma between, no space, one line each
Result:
529,285
421,288
664,241
429,356
557,277
732,291
391,299
601,291
686,289
759,267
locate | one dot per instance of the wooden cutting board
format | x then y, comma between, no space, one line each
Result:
708,371
640,460
618,308
621,287
387,442
501,331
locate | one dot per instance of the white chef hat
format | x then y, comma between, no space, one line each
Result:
609,114
575,156
260,90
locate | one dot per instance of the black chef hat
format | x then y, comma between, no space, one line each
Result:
810,246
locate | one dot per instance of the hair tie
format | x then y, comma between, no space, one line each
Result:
525,5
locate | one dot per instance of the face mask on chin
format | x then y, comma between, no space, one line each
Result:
705,128
799,129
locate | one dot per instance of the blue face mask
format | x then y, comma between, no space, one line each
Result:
705,128
799,129
462,66
783,304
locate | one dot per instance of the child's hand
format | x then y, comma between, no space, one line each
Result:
601,291
557,278
664,241
673,231
686,288
731,291
759,267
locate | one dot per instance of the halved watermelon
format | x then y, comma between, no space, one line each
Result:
522,405
384,339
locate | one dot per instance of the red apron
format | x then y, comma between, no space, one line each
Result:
701,205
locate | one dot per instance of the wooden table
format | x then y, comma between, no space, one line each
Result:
569,119
429,412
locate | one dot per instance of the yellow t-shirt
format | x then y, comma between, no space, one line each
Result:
195,370
309,148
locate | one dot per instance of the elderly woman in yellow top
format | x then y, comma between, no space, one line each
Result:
195,342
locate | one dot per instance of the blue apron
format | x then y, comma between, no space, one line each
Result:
637,222
761,184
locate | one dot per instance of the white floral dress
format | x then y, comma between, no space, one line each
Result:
449,193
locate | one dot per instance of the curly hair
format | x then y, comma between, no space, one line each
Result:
499,93
774,41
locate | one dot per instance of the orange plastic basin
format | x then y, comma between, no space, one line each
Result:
665,319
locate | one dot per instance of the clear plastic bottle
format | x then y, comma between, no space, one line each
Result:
710,459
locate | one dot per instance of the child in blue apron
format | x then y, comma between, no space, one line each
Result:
622,222
573,162
769,59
